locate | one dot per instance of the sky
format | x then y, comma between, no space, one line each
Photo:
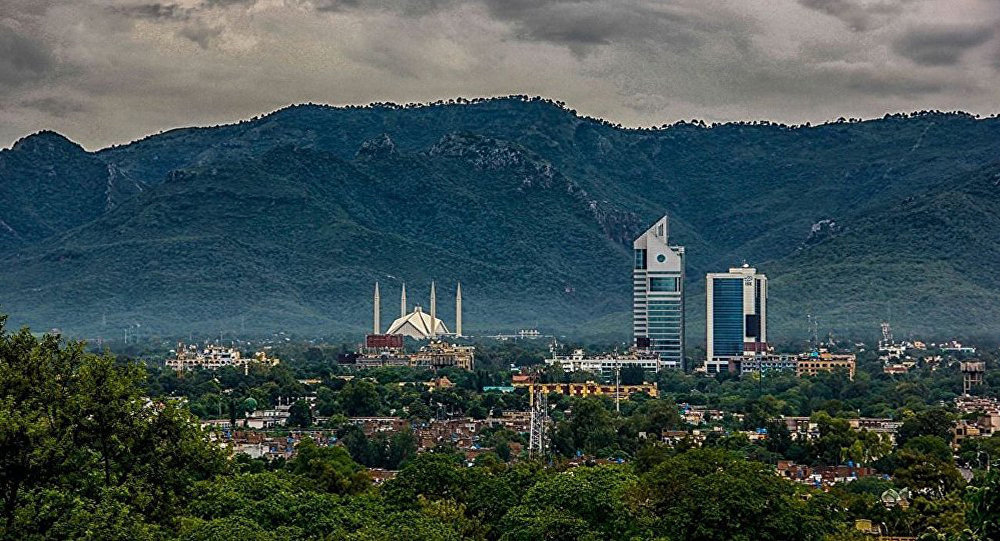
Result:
106,72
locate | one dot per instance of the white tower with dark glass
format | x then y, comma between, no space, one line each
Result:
378,312
433,310
736,316
458,310
658,295
402,301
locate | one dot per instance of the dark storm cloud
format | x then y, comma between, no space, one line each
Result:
55,106
858,15
227,3
201,34
140,66
578,23
406,7
154,12
173,11
22,59
940,46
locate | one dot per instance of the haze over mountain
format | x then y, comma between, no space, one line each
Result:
284,222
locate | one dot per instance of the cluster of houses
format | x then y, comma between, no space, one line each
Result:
984,422
215,356
462,433
388,350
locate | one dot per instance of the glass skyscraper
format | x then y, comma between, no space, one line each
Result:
736,323
658,295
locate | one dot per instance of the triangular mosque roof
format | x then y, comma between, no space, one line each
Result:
417,324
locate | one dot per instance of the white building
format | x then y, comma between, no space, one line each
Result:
606,364
418,324
736,310
658,295
213,357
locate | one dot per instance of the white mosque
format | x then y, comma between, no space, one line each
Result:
418,324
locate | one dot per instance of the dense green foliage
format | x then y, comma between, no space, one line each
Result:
285,221
84,454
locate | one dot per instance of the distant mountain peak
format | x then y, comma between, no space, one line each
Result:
46,141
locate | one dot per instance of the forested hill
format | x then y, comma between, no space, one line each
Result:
286,221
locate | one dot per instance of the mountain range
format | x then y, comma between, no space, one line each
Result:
286,221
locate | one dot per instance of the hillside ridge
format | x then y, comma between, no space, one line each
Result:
283,221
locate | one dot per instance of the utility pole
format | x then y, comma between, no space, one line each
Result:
618,386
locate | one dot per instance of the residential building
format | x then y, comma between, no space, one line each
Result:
606,364
815,362
589,388
736,323
439,354
213,357
658,295
957,347
755,363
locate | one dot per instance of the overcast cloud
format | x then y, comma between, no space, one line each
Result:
110,71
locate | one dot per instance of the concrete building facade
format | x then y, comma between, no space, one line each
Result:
736,316
658,295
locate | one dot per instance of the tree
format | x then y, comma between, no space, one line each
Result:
835,438
36,433
930,445
402,447
82,449
584,503
331,468
591,426
632,375
356,442
933,422
432,475
659,415
360,398
711,494
984,506
110,407
503,450
923,472
300,414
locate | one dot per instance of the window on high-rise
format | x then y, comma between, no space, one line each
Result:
640,259
727,310
663,284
